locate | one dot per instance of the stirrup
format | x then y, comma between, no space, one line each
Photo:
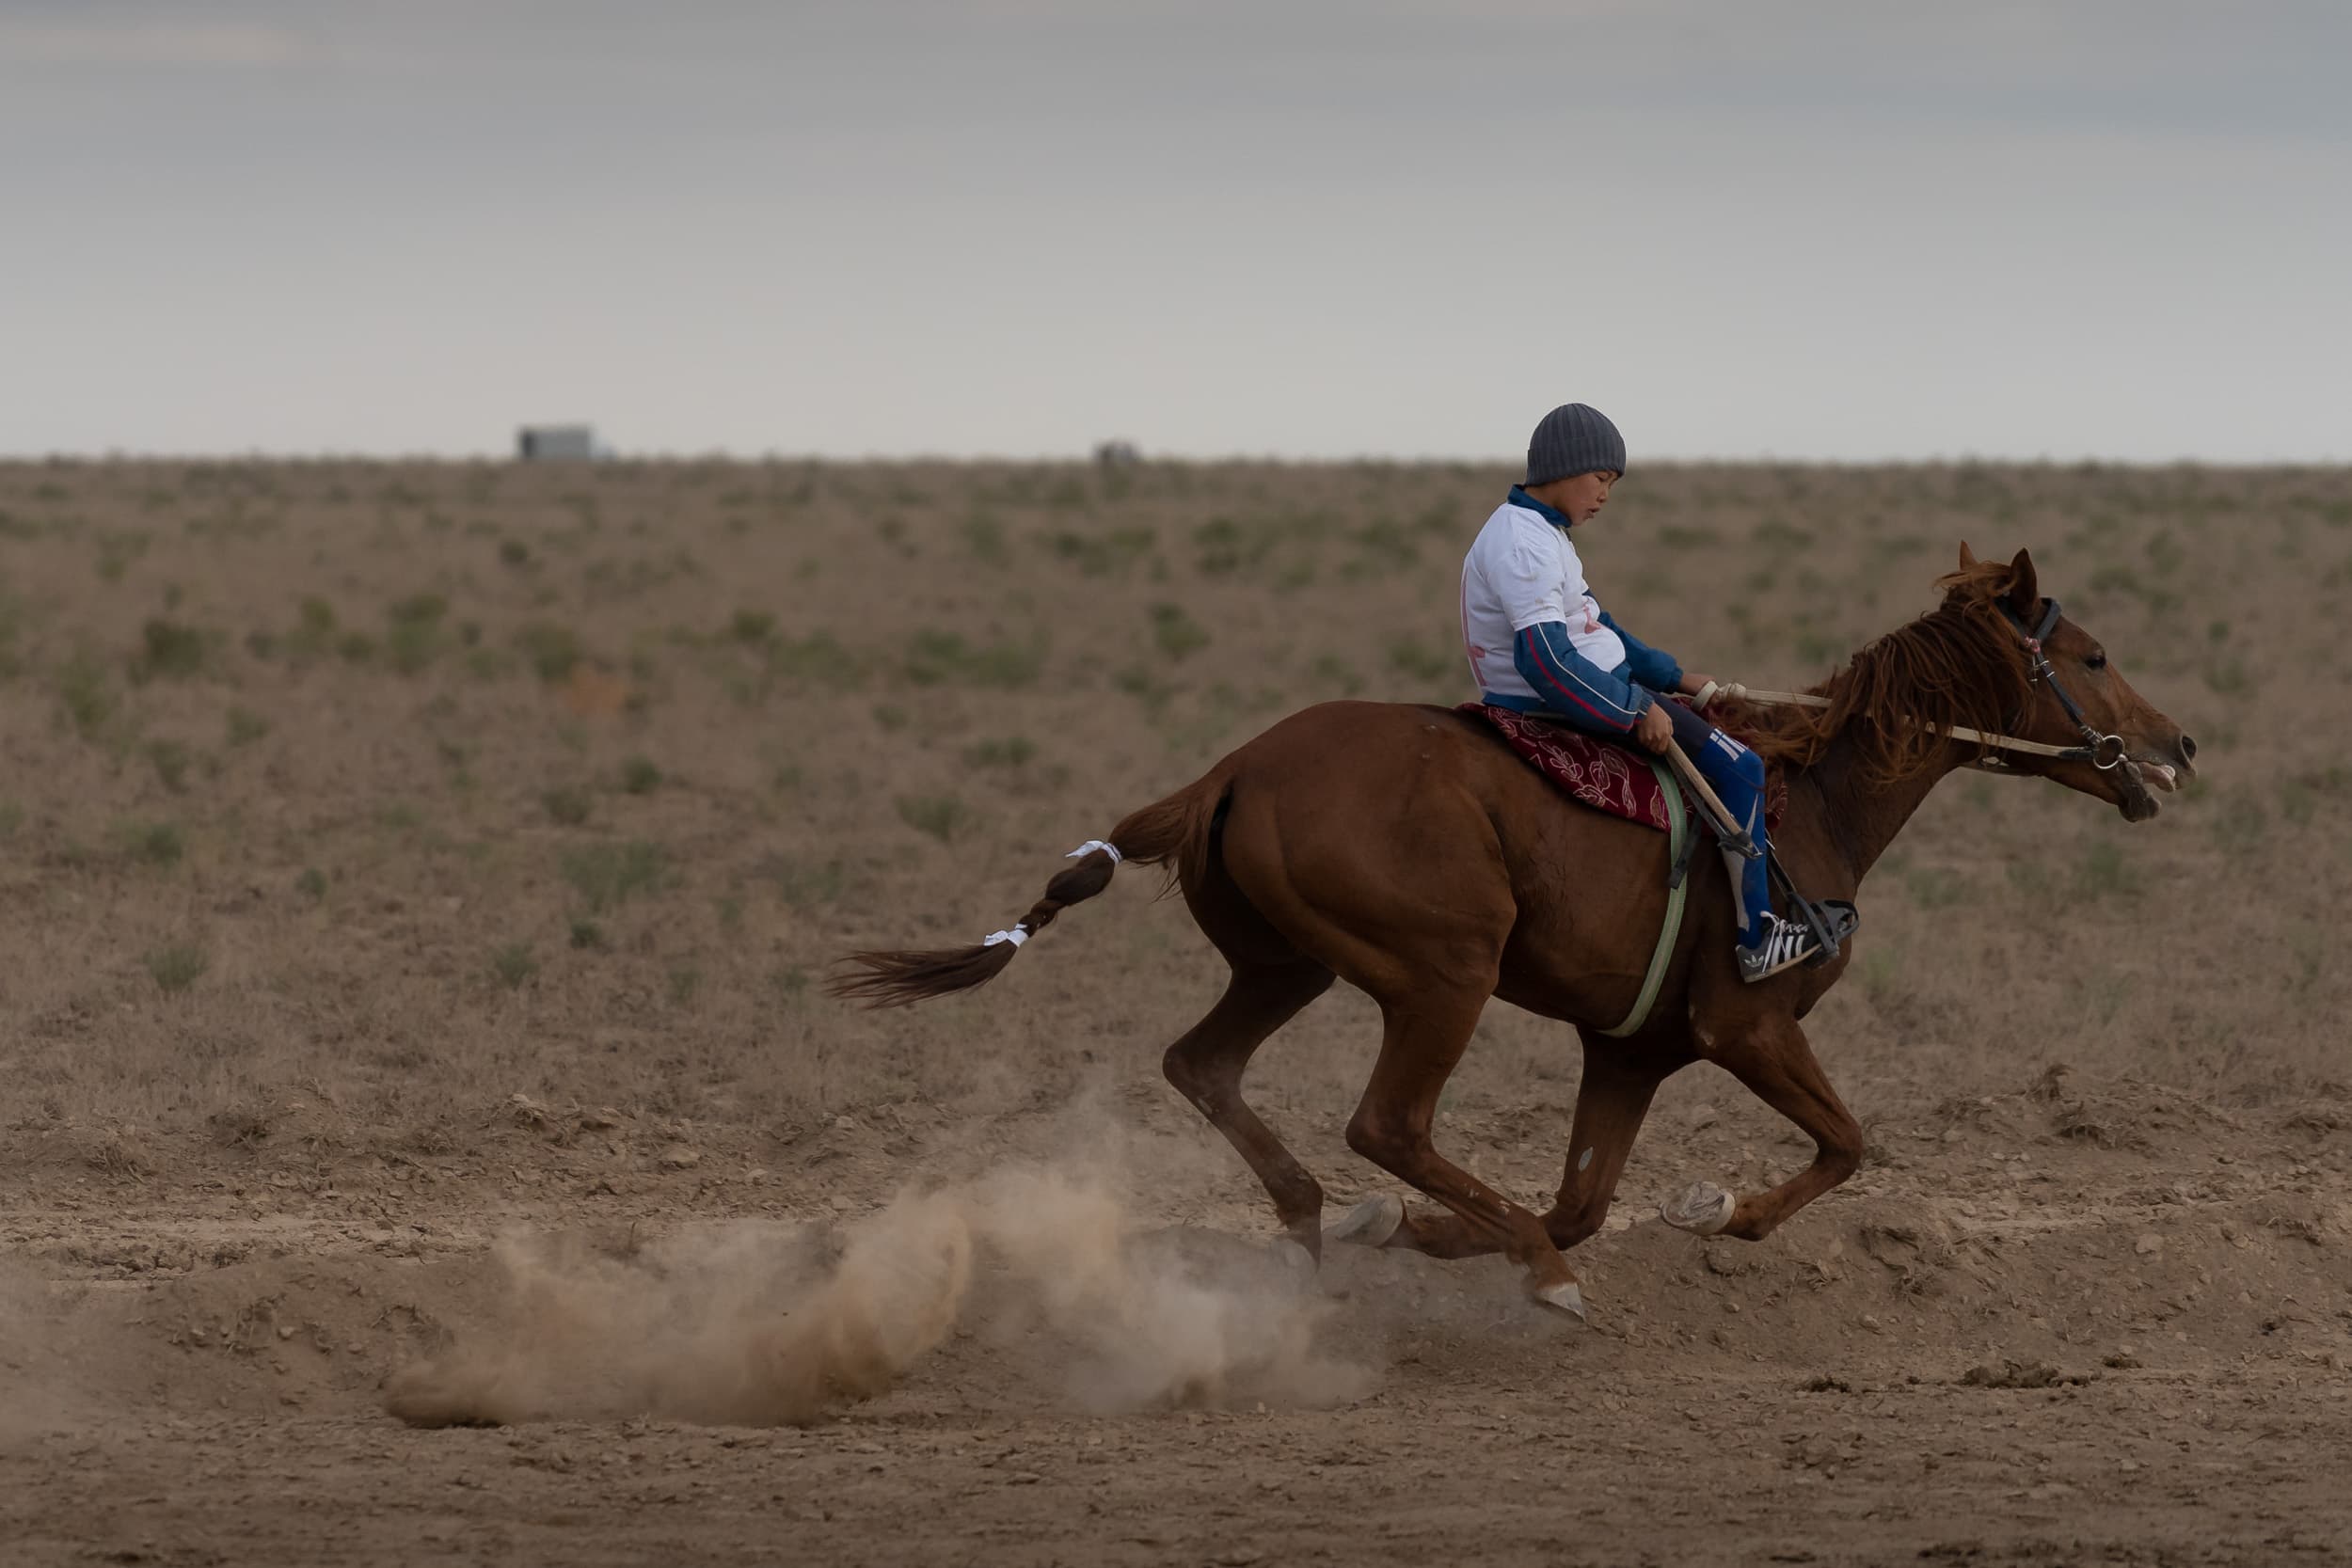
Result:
1831,921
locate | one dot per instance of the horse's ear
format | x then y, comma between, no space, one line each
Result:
2025,587
1967,556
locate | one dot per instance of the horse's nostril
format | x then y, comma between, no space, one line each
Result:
2188,750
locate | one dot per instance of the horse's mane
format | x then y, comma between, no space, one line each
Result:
1898,698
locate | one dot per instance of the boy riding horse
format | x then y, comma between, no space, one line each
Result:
1539,642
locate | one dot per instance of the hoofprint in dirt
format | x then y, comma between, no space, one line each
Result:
2084,1321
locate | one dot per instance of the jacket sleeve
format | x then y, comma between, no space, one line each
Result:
1652,666
1573,686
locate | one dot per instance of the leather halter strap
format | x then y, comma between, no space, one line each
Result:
2094,744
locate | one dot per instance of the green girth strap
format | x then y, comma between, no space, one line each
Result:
1677,834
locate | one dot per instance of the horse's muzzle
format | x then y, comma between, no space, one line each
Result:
2155,770
2136,782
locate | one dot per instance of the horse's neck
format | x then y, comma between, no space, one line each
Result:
1858,819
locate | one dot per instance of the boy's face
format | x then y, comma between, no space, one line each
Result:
1584,494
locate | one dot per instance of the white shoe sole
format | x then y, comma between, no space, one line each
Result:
1752,975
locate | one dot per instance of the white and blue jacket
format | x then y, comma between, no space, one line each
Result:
1535,637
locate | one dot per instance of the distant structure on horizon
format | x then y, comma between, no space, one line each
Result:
1116,454
557,443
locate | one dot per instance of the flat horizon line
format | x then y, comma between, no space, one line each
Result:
778,458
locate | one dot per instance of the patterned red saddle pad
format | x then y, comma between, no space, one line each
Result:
1602,775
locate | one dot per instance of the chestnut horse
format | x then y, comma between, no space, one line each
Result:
1406,850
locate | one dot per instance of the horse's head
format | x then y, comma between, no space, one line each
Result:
2135,749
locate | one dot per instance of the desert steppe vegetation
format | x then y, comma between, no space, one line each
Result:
395,854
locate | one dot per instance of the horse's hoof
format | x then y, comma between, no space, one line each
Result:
1703,1210
1371,1223
1564,1298
1292,1256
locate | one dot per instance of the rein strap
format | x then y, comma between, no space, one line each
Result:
2094,747
1960,732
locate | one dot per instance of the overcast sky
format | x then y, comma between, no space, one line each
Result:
1843,228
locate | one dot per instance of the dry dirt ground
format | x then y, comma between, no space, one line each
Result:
414,881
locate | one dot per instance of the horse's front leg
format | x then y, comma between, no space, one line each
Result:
1424,1036
1772,1056
1611,1101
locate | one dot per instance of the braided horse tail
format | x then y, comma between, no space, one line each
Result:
1173,832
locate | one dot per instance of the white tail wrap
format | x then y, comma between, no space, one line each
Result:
1018,935
1083,851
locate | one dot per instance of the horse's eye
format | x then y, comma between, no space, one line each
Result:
2096,661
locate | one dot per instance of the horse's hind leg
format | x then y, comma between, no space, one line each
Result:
1774,1059
1206,1064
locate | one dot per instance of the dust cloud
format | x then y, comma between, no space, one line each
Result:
751,1324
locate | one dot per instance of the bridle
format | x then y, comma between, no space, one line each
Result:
2095,745
2103,751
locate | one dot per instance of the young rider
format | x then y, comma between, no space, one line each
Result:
1538,641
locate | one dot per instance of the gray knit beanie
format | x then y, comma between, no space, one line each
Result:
1574,438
